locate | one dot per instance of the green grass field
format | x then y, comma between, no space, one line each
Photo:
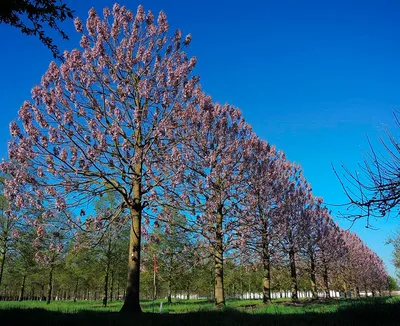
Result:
371,311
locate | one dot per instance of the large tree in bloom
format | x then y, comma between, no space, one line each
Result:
104,121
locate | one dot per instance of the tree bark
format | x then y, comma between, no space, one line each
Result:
105,297
313,278
267,268
112,285
3,253
219,261
21,293
107,273
326,281
170,285
293,275
131,303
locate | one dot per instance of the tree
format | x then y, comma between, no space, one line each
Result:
395,241
23,263
392,284
259,225
106,244
6,226
172,250
105,119
374,190
212,178
37,12
292,210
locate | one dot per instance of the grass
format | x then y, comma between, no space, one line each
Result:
370,311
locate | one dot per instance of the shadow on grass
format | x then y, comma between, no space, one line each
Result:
375,313
177,302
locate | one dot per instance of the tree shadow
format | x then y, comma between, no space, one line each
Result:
376,313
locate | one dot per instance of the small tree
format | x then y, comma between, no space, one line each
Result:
392,284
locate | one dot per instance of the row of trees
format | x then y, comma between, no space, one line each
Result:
98,272
125,117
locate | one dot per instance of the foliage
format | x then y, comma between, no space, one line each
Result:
16,13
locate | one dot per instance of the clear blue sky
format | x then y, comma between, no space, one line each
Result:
312,77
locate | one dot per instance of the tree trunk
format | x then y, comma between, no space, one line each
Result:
3,253
50,286
313,278
21,293
326,281
32,296
219,261
112,286
293,275
131,303
267,269
105,297
76,290
170,285
42,292
106,276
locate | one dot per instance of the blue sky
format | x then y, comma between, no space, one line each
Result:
312,77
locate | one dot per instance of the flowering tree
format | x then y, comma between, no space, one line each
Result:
292,211
103,121
315,219
264,189
212,177
331,248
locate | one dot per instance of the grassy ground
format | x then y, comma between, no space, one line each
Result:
371,311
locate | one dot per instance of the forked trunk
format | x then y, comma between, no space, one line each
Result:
219,260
